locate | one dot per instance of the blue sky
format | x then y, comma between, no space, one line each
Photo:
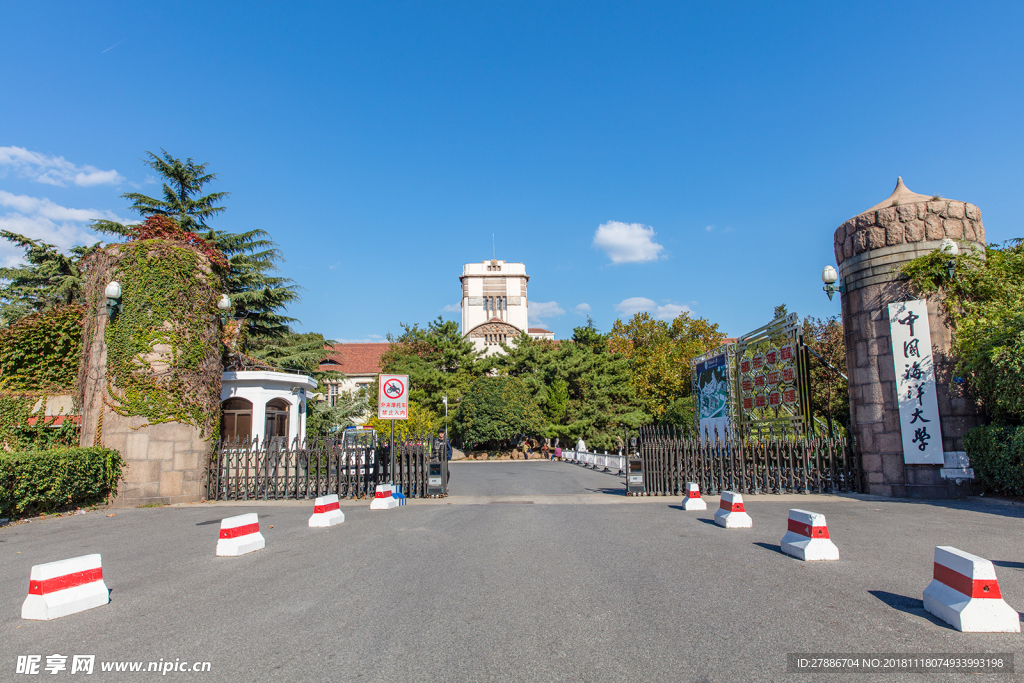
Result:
382,144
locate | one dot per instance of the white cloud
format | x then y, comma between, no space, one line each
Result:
581,309
627,242
639,304
452,308
710,228
539,311
53,170
41,219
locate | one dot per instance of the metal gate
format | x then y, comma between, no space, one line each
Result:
350,466
764,462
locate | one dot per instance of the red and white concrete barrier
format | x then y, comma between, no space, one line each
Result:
384,498
57,589
731,514
964,593
693,500
240,535
807,537
326,511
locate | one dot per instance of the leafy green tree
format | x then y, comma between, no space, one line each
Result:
659,354
439,361
985,303
296,352
557,401
257,294
680,413
495,411
323,419
597,381
48,278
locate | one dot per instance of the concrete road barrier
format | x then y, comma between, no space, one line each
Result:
57,589
731,514
240,535
807,537
965,594
326,512
693,500
384,498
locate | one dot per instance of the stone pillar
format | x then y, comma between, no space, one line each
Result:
167,460
869,248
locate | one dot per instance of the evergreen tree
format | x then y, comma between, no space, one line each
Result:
439,361
256,293
47,279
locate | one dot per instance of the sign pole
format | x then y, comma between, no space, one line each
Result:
391,466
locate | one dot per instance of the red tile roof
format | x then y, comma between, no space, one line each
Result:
355,359
539,330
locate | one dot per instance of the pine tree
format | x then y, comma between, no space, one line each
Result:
256,293
47,279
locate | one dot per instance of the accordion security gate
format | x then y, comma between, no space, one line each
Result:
349,467
772,462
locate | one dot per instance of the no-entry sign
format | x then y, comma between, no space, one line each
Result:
393,397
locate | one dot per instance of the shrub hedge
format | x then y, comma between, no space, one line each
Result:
997,456
42,481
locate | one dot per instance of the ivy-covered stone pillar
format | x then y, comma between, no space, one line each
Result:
150,377
869,249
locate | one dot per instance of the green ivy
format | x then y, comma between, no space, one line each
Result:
16,434
41,352
158,361
42,481
985,303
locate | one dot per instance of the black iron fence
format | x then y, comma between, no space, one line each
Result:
350,466
763,462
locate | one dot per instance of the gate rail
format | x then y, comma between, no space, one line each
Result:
351,466
768,462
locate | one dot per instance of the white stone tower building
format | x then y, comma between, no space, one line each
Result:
494,304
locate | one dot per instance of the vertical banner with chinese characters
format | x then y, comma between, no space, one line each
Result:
915,383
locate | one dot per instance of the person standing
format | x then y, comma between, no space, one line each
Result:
581,447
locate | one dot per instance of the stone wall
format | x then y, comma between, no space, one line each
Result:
166,462
869,249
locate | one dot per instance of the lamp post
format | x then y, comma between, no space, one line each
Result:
113,294
950,249
829,277
224,305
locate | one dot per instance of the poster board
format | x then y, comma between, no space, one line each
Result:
713,396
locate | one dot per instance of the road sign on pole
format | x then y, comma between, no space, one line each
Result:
393,397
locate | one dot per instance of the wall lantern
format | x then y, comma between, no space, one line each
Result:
224,305
949,248
829,277
113,294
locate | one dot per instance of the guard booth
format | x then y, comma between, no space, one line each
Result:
635,476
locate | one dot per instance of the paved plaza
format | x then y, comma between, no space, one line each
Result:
529,571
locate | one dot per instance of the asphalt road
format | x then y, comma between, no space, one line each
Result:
476,589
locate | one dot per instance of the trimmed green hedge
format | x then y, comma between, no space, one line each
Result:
997,456
42,481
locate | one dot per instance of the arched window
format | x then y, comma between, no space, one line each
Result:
277,418
236,419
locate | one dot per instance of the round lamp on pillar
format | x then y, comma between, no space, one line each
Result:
829,277
949,248
113,294
224,305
